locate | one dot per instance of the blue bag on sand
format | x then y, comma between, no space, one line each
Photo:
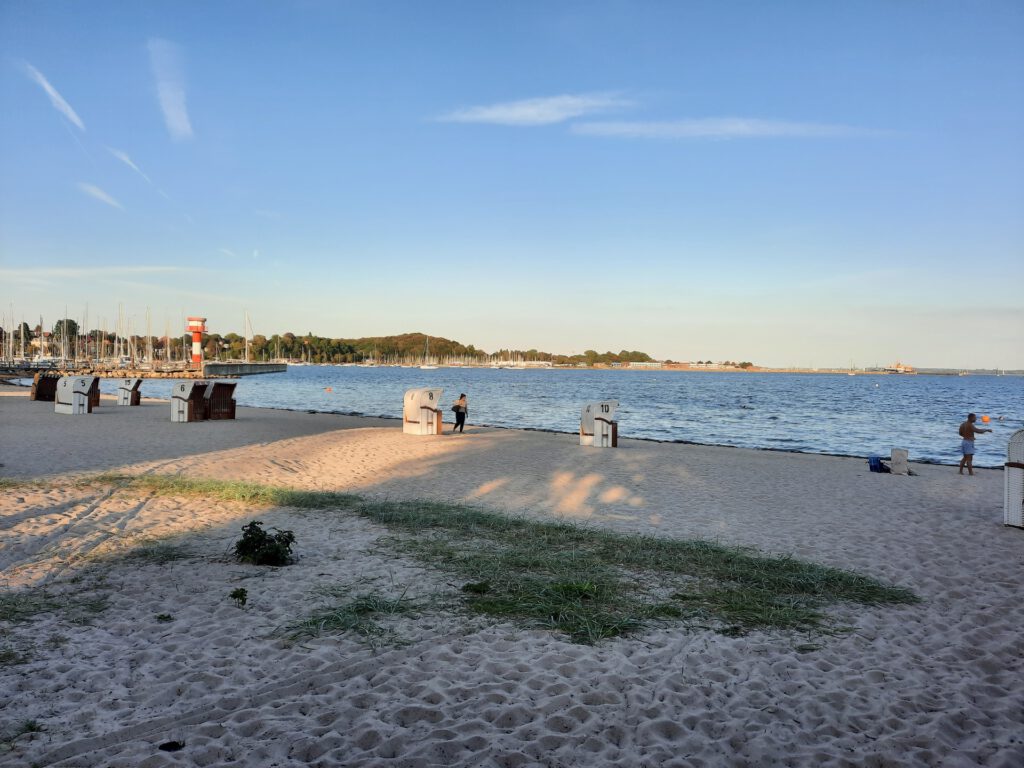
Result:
875,464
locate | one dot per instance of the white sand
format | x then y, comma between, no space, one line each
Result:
933,684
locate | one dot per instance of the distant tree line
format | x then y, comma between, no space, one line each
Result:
308,347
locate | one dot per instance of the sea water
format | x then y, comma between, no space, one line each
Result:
837,414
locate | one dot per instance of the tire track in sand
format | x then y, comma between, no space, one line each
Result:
87,526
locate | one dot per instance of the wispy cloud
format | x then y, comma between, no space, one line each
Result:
97,193
56,99
123,157
165,58
546,110
716,128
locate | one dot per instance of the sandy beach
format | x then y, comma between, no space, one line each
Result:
138,650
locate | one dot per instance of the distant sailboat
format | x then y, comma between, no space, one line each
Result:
426,357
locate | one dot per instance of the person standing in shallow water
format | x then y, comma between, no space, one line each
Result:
461,408
967,433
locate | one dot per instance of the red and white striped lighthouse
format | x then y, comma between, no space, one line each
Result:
197,327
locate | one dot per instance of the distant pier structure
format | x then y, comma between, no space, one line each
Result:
230,369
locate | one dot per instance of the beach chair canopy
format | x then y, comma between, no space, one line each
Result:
604,409
419,398
220,390
1015,447
69,386
128,392
76,394
189,390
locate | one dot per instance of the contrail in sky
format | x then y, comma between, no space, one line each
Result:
58,101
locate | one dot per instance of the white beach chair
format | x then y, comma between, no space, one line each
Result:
128,392
72,396
187,401
1013,481
598,426
420,414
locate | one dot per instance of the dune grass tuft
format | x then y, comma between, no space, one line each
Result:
229,490
156,551
77,608
19,607
360,614
590,584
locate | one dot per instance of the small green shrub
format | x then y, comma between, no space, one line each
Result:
164,617
260,547
239,595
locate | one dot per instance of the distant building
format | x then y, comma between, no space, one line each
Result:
650,364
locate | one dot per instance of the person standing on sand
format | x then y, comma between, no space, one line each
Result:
461,409
967,433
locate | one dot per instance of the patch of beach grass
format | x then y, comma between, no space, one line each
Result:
594,584
26,727
154,551
361,614
228,490
19,607
14,484
77,608
588,583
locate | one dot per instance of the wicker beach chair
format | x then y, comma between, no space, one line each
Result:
187,401
74,395
128,392
44,387
420,414
1013,481
598,426
219,401
94,393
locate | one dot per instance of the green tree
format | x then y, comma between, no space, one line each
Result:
66,328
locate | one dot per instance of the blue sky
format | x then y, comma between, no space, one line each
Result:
796,183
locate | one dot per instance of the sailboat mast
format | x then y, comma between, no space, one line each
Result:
149,338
